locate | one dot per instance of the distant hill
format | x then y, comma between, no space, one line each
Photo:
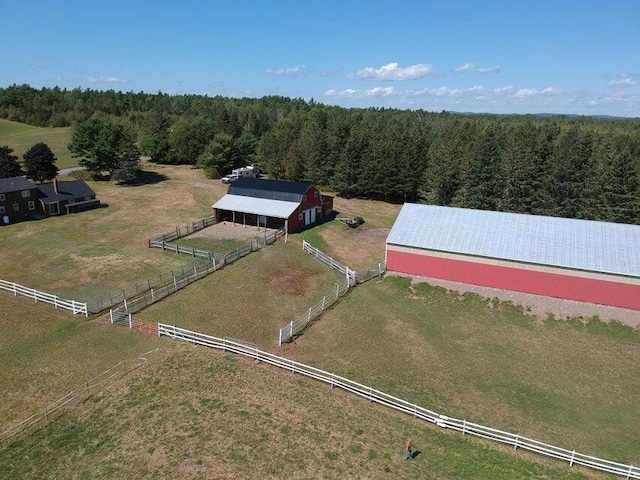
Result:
22,137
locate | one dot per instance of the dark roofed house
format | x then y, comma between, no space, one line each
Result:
273,203
62,197
21,199
18,200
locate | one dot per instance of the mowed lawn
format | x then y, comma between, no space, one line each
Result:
45,353
250,299
562,382
22,137
86,255
194,413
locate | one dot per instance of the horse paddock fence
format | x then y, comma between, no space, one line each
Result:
466,428
42,297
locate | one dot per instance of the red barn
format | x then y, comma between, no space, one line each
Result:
273,203
588,261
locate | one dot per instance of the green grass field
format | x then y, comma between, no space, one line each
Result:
22,137
564,382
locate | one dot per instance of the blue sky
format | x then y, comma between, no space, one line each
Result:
573,57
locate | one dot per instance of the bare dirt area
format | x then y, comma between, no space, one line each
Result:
229,230
542,307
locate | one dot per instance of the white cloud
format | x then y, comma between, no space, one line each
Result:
466,67
623,81
288,71
105,80
494,69
532,92
393,71
501,90
353,93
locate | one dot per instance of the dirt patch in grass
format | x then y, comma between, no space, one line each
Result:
229,230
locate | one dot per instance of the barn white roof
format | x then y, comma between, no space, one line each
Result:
256,206
577,244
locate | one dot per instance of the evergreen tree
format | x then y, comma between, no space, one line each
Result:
9,166
40,163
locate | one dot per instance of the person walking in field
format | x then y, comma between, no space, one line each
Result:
408,453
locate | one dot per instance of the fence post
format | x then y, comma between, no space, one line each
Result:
280,337
309,318
153,298
55,302
323,301
175,282
130,321
464,427
515,445
573,454
111,314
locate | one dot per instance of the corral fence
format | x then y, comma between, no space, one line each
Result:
517,441
85,390
346,271
180,279
165,278
297,326
185,230
173,247
367,275
57,302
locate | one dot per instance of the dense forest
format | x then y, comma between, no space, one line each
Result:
579,167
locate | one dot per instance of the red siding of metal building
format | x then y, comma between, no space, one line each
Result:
567,286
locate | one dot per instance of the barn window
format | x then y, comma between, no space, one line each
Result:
315,194
304,197
1,197
300,216
32,205
1,208
26,193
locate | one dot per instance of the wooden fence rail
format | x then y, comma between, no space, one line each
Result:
82,392
346,271
298,325
185,230
57,302
173,247
517,441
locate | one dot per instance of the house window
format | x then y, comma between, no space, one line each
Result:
16,207
304,198
315,194
1,208
1,197
26,193
300,217
32,205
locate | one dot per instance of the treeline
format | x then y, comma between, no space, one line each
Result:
578,167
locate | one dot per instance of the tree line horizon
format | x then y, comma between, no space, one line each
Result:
557,165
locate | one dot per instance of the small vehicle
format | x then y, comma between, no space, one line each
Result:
232,177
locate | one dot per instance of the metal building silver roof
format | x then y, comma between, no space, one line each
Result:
588,245
256,206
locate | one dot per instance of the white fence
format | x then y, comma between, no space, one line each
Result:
82,392
517,441
346,271
172,247
57,302
297,326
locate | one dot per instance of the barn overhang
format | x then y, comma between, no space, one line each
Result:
256,206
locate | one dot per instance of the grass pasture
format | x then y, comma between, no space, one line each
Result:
196,413
561,382
22,137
